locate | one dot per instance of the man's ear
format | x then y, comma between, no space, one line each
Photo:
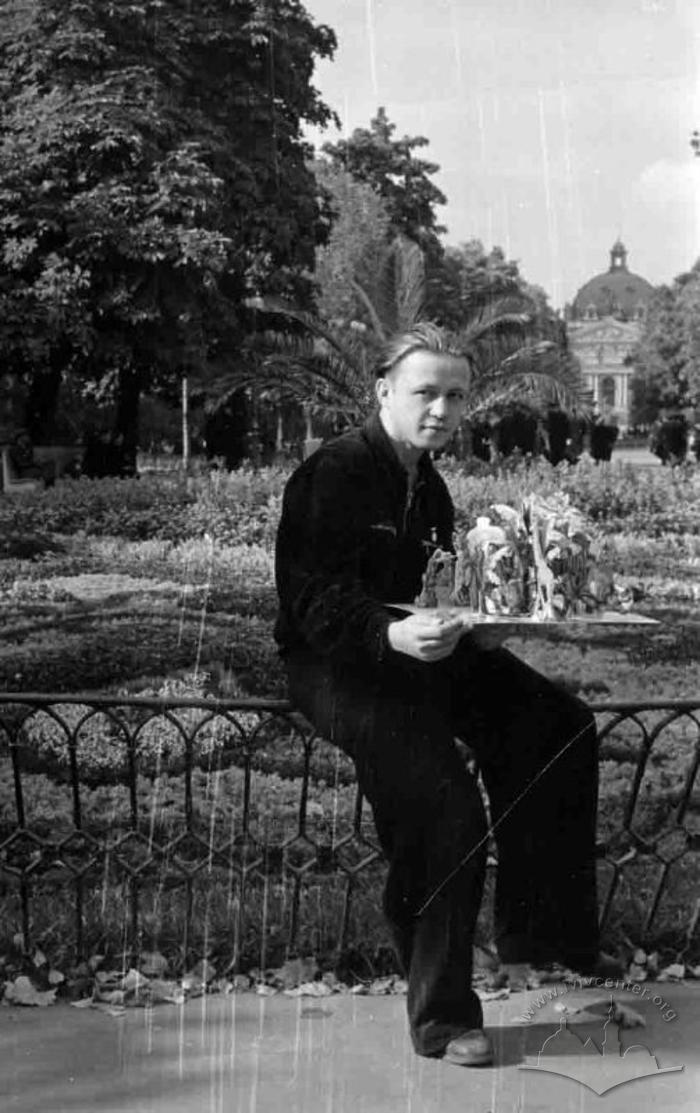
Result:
381,389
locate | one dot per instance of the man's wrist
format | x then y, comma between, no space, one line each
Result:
394,636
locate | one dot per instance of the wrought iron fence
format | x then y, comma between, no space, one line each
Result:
183,823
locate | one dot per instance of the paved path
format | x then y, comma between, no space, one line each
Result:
639,456
344,1054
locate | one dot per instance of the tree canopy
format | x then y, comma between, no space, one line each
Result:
397,175
153,174
667,359
356,244
466,275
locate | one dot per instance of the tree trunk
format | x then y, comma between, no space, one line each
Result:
42,402
126,422
254,443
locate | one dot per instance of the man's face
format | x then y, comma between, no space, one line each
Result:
422,400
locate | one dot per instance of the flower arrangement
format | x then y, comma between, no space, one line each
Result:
537,559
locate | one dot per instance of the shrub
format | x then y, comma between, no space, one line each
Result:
100,650
240,507
654,502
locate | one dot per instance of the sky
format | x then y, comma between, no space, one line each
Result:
558,125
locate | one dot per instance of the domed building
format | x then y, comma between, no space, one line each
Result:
604,323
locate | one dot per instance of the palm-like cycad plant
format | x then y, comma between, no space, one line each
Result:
519,354
327,365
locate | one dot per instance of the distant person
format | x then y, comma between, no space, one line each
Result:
516,432
558,432
669,439
481,441
576,439
541,446
603,437
655,442
104,456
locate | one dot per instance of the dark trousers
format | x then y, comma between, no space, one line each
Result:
399,726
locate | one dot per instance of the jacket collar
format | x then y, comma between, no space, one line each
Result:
381,444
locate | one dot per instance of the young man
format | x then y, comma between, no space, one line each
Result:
359,520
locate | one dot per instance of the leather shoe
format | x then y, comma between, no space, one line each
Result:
470,1049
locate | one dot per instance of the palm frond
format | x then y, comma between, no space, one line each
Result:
383,294
282,381
489,402
301,367
312,324
377,323
486,308
539,371
410,287
397,295
322,375
496,325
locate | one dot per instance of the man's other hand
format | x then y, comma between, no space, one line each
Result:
426,637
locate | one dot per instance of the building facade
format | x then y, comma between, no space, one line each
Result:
604,323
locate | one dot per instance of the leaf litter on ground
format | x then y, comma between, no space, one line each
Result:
146,983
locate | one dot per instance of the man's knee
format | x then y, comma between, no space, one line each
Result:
576,736
564,725
582,721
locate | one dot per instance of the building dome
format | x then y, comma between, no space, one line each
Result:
614,293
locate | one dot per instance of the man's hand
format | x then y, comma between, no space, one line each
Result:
427,637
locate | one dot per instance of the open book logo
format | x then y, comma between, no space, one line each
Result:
599,1066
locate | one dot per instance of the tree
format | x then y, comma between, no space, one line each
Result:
348,261
689,299
393,171
356,244
667,358
350,258
466,275
152,175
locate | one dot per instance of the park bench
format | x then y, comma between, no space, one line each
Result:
60,456
13,484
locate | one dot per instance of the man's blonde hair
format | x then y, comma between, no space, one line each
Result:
423,337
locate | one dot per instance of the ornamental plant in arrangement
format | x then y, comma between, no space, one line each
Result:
537,560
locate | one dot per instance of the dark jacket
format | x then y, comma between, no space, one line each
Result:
349,540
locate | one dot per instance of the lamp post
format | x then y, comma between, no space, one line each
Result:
185,425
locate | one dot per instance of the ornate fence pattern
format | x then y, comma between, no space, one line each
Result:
179,823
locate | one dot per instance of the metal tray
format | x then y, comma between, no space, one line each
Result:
527,624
